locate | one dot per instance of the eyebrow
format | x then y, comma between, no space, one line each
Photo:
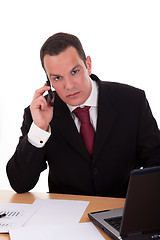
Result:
76,67
55,75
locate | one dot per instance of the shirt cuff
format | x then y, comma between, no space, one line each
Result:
38,137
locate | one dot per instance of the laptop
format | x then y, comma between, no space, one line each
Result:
140,217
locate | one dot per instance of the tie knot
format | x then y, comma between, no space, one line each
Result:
82,114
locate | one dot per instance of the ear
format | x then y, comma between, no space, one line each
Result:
89,65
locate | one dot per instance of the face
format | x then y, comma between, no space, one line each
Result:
69,76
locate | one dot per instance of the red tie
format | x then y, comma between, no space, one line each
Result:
86,130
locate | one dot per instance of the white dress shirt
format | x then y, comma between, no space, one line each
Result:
38,137
91,101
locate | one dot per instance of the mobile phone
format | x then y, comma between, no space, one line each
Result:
50,93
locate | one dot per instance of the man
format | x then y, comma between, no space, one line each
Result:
126,134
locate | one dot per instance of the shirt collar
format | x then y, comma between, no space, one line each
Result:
92,100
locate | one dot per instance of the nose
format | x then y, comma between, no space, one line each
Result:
69,84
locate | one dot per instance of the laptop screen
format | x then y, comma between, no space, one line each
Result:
142,208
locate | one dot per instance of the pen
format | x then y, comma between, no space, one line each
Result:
2,215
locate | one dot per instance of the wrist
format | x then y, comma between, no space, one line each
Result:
43,127
37,136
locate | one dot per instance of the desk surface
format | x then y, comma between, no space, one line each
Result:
96,203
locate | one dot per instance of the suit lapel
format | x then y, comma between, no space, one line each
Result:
105,120
64,123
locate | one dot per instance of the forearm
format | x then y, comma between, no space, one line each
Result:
28,161
148,137
25,166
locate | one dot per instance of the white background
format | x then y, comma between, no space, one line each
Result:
121,36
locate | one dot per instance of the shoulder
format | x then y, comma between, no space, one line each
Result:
118,90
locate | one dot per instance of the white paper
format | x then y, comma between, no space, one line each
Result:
16,215
53,211
78,231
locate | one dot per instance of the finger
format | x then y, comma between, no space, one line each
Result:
41,91
39,103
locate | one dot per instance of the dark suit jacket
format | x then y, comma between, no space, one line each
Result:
127,137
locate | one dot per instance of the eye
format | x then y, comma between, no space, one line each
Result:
75,72
57,78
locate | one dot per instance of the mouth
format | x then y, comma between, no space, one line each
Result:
73,95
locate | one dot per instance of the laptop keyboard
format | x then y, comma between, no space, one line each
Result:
114,222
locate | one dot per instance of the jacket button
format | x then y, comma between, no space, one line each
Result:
95,170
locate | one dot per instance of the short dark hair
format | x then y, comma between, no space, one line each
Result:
58,43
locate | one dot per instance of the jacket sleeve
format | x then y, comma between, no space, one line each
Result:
28,161
148,148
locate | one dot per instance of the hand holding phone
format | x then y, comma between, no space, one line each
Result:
42,110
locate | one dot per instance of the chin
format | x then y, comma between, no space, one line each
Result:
75,103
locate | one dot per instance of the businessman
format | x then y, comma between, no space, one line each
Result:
92,134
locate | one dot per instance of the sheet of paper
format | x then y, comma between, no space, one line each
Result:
78,231
16,215
53,211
